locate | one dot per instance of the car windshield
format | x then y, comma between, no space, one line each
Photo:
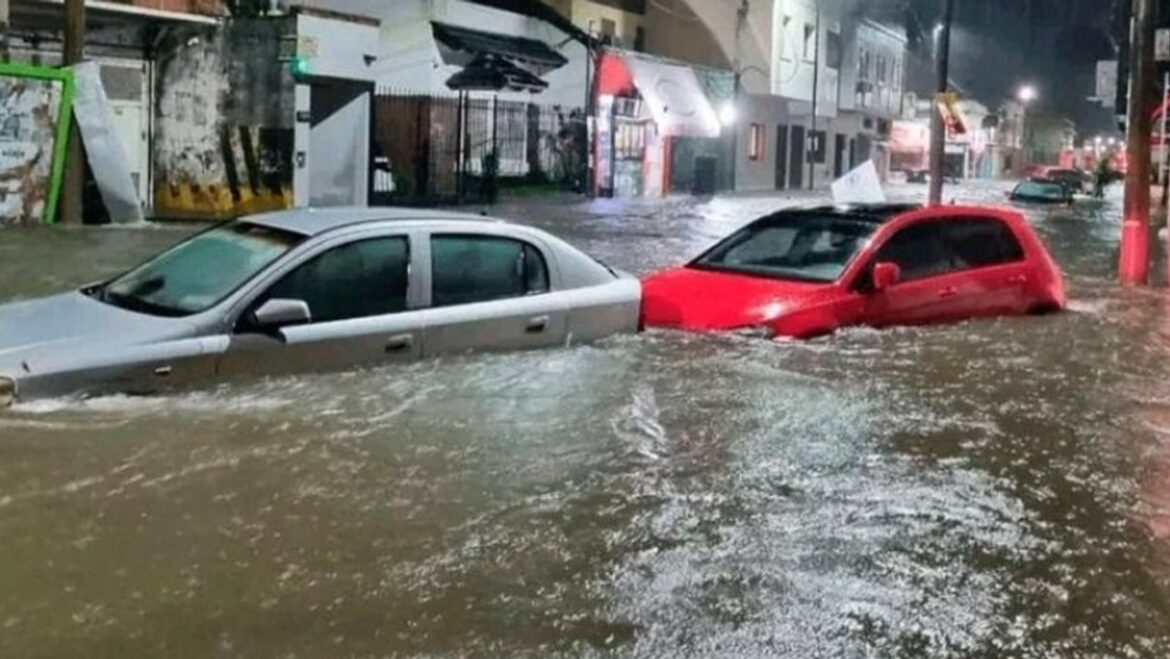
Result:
799,246
1039,190
198,273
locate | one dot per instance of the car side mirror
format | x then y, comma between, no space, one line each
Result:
885,275
277,313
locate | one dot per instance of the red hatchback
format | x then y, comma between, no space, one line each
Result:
810,271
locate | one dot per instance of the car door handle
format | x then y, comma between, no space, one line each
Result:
948,292
1018,279
536,325
399,342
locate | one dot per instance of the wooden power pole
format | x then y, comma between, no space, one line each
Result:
1135,227
73,185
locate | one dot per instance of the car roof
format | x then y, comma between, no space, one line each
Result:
315,221
874,213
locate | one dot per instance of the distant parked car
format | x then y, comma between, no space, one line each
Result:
808,272
1041,191
312,290
1073,179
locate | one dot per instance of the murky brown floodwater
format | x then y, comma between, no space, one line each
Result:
989,489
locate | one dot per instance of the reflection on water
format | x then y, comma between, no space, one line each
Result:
997,488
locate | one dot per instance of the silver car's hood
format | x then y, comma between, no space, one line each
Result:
73,321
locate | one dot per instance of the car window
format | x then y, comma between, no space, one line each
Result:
1039,190
199,272
805,246
980,242
919,250
466,269
356,280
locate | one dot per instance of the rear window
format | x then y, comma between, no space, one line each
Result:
1039,190
981,242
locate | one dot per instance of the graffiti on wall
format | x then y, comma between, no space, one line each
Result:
30,112
223,139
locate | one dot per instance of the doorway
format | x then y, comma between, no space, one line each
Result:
839,156
339,142
796,158
781,156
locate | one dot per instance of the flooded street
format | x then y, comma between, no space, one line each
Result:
988,489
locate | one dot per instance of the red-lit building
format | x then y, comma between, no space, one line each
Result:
644,107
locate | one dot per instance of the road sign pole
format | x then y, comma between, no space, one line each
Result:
938,138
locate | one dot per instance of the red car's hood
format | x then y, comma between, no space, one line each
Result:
694,299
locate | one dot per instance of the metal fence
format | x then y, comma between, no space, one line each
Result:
453,149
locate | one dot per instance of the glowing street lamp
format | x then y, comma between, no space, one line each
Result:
727,114
1027,94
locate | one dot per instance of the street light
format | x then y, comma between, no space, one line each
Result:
727,113
1027,94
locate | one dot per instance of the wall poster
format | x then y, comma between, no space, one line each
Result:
35,107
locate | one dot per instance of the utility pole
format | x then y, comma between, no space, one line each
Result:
73,184
938,135
811,150
1135,227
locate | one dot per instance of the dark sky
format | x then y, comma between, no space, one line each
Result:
997,45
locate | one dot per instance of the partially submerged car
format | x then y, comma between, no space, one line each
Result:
310,290
1041,191
807,272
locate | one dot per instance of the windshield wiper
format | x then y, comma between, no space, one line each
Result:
132,303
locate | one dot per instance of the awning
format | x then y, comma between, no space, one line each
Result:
676,100
460,45
491,73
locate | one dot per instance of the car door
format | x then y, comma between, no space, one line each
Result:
930,289
989,256
361,300
490,291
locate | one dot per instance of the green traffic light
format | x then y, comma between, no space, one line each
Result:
299,66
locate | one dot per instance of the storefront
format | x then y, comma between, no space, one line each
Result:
642,105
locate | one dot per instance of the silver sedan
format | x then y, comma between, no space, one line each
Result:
312,290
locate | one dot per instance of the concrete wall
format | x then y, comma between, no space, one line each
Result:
223,121
793,64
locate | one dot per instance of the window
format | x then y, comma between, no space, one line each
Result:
810,42
756,142
817,147
918,250
833,50
881,69
357,280
785,22
982,242
803,246
466,269
608,30
199,272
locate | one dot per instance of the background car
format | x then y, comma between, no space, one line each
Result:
808,272
1041,191
313,290
1072,179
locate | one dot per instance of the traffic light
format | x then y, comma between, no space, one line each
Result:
299,66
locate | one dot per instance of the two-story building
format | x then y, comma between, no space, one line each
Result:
817,86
